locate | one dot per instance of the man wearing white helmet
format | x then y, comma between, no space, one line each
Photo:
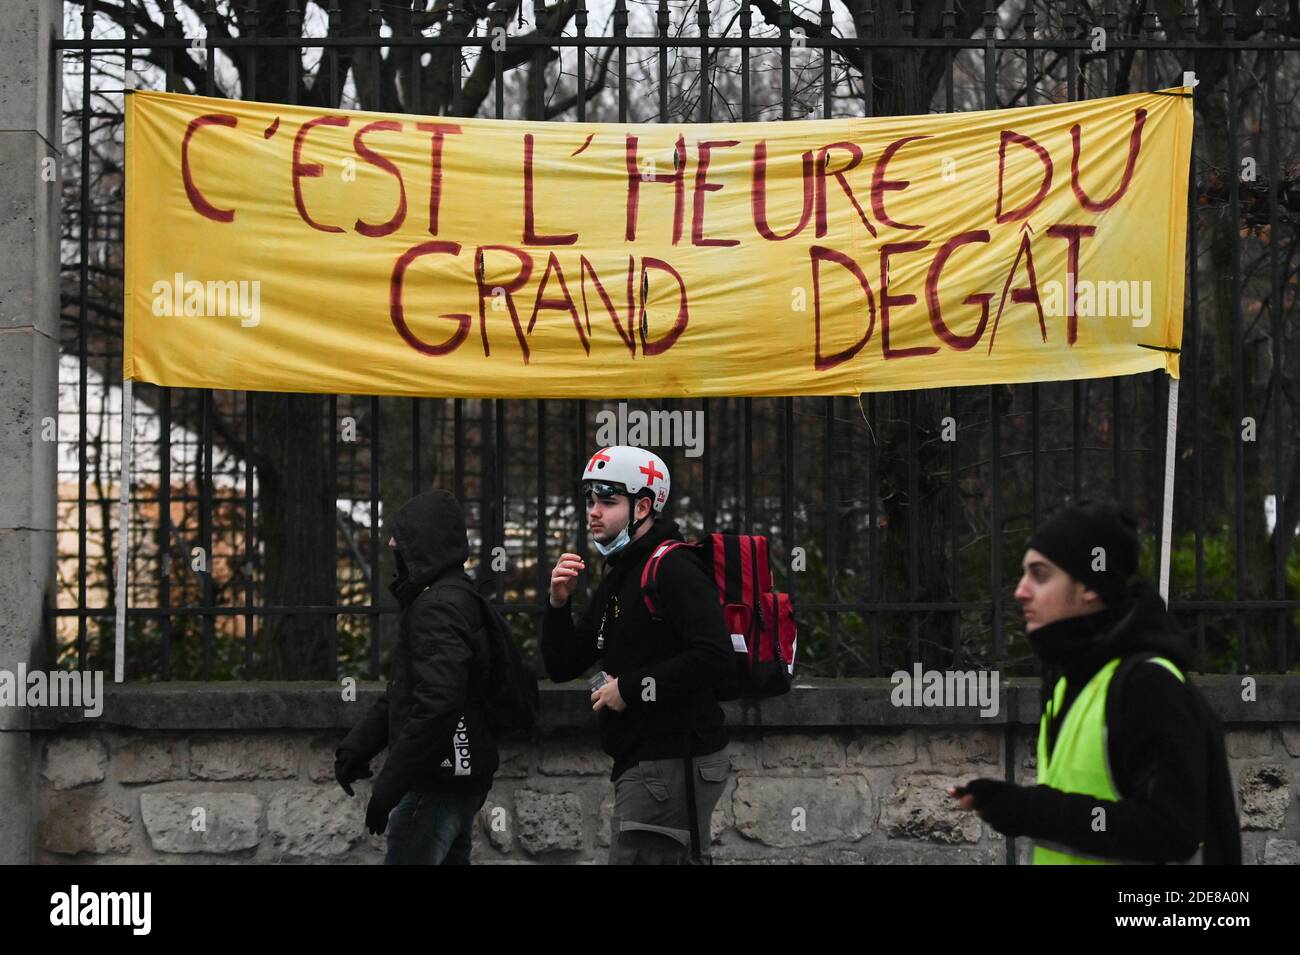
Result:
658,712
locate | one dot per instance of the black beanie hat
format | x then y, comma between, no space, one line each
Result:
1069,537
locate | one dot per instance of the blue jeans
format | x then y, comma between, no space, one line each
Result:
432,828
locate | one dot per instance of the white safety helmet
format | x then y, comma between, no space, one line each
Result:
629,470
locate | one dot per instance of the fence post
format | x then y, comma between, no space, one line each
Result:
30,143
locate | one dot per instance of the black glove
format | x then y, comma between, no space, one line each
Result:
377,816
348,768
1004,806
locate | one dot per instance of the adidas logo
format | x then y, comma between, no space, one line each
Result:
446,763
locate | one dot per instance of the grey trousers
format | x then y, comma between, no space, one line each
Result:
650,823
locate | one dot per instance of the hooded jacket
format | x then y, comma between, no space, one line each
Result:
682,657
431,714
1159,757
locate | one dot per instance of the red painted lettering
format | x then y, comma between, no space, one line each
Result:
758,195
439,130
565,304
649,348
819,254
941,329
397,312
880,185
823,166
1046,183
887,300
370,156
489,290
627,334
1072,234
530,230
1134,147
635,177
702,185
311,170
197,200
1021,294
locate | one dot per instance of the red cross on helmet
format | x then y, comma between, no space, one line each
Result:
629,470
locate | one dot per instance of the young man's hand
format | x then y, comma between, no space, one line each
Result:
348,768
377,816
1004,806
564,578
608,696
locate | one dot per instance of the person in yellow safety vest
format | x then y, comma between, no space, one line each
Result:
1118,783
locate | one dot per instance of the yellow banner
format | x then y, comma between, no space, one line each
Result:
283,248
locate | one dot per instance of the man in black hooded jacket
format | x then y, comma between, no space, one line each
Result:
1083,613
431,717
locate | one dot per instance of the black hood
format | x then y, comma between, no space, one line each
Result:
431,541
1079,646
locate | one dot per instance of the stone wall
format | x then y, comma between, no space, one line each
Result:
831,773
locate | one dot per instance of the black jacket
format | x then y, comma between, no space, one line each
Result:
685,654
1158,757
431,714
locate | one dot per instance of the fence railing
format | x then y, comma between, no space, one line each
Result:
252,551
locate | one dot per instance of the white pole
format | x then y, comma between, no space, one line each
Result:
123,519
1167,520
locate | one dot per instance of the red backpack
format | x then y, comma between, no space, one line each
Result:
759,620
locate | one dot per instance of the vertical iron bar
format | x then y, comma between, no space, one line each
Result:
949,19
663,23
913,533
620,32
866,29
995,417
205,529
170,29
830,500
873,544
1238,346
1191,360
249,530
293,24
83,282
1071,21
543,587
784,20
416,484
376,536
580,21
417,54
499,489
1279,342
706,85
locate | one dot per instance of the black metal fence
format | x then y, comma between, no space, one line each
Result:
251,544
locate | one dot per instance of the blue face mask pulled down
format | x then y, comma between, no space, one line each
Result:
619,542
622,540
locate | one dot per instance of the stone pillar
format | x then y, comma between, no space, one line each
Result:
30,147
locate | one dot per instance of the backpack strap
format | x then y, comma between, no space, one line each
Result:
1115,715
650,572
1221,843
465,586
